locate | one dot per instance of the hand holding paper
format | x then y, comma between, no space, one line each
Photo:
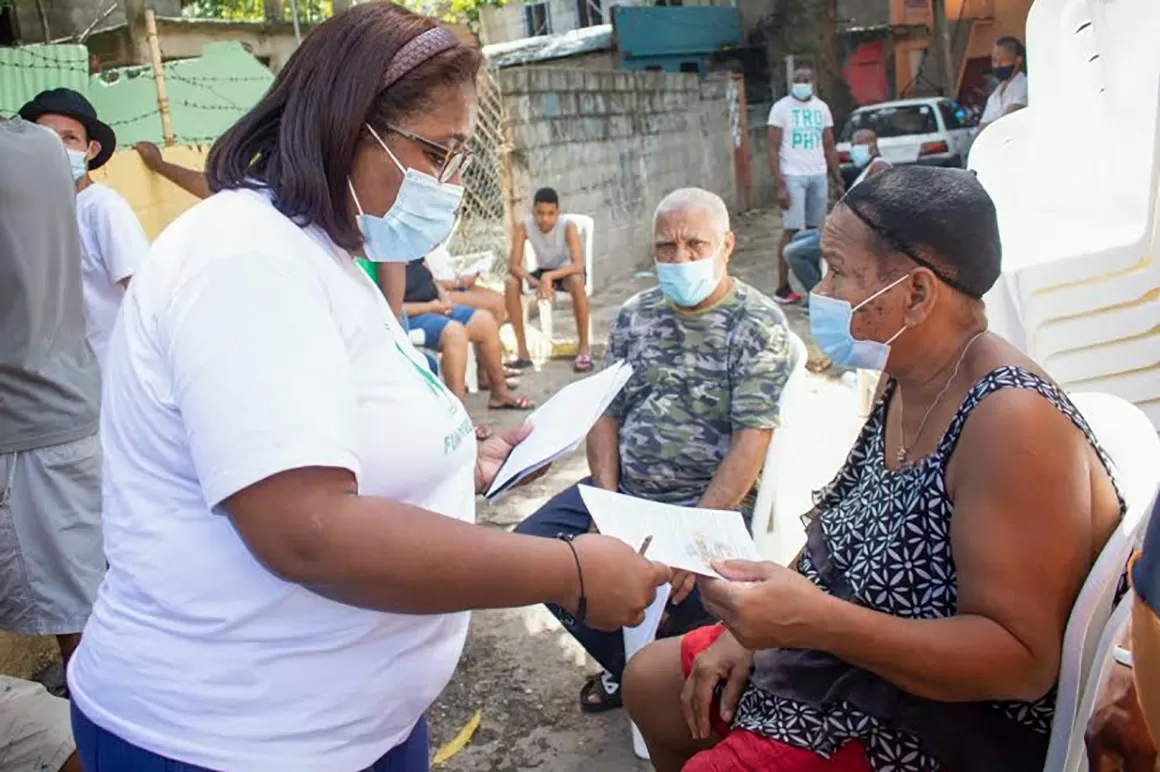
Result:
478,267
560,425
683,537
765,605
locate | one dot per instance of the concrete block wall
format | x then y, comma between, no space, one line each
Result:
763,189
613,144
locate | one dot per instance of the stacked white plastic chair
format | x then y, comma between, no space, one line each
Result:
587,226
1075,178
1094,625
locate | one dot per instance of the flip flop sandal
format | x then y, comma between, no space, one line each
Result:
520,364
521,404
583,364
511,372
600,694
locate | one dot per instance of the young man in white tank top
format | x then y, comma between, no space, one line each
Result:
559,268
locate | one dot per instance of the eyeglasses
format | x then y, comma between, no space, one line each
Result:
454,161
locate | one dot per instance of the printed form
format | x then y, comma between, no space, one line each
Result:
682,537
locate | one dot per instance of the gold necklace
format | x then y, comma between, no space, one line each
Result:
903,456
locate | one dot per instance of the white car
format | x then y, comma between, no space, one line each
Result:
932,131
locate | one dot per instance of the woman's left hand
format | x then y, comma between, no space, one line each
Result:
764,605
494,451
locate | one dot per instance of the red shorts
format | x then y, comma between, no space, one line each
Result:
744,751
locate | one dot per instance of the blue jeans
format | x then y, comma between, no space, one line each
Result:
566,515
803,253
102,751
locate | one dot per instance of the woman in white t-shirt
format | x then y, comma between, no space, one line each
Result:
289,493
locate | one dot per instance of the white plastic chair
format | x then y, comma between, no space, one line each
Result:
1080,288
587,226
1131,442
772,542
471,379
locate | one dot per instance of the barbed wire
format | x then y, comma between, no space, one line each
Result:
239,111
235,78
54,68
189,81
135,118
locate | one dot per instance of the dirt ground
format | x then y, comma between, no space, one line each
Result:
519,667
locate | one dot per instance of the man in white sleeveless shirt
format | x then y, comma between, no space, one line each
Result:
559,268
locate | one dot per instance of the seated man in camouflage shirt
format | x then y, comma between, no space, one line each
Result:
710,356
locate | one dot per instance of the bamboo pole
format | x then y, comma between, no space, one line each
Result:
158,76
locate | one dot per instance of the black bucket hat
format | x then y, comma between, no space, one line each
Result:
66,102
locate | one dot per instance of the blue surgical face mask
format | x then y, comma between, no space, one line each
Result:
688,284
802,91
830,328
78,163
421,217
860,155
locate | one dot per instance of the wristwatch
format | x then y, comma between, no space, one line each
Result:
1123,656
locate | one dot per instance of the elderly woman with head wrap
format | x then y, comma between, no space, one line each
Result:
921,626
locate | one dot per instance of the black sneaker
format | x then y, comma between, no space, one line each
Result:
787,297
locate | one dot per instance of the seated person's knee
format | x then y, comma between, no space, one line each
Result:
482,325
454,336
654,673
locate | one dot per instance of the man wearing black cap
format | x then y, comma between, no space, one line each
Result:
113,243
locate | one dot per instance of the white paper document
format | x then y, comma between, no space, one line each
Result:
561,424
479,266
636,638
682,537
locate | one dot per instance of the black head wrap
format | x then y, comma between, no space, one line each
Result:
942,219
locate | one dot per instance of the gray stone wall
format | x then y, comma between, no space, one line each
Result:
613,144
763,188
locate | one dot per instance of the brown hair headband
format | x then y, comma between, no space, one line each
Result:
418,50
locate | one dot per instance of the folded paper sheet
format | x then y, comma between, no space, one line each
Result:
560,425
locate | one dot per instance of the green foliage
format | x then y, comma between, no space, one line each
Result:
452,11
309,11
313,11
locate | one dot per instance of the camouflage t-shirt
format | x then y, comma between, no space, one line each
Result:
697,376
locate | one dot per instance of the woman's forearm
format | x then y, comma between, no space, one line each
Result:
380,554
414,309
957,659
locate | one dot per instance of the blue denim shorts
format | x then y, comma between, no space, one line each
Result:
102,751
432,325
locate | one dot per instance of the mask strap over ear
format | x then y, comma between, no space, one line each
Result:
354,195
383,145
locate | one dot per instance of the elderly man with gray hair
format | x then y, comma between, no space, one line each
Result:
710,356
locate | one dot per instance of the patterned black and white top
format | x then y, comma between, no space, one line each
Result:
881,538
